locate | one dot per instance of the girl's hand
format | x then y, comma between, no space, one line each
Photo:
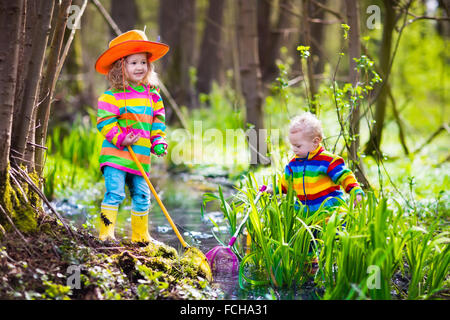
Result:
130,139
160,150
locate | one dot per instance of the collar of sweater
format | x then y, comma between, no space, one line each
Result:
312,154
138,88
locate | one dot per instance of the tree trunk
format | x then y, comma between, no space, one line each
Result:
373,145
49,82
125,14
270,41
251,78
317,37
309,62
177,28
24,112
354,52
211,53
10,24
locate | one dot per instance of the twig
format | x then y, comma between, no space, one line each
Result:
398,120
37,145
322,21
426,18
109,248
11,174
335,13
107,17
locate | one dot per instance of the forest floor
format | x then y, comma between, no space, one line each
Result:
52,264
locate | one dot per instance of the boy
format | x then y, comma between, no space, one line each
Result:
317,176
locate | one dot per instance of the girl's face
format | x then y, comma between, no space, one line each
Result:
302,143
136,67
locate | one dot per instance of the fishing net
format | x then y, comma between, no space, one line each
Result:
222,259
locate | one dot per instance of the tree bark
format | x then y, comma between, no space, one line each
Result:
177,28
10,24
354,49
317,36
251,78
211,53
125,13
309,62
23,121
373,145
49,82
270,40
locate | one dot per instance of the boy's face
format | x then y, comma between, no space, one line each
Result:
136,67
302,142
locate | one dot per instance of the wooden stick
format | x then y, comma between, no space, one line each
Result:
155,194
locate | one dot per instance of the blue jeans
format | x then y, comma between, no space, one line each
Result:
115,181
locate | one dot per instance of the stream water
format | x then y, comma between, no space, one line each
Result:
182,196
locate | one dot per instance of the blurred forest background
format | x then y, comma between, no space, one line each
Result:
375,72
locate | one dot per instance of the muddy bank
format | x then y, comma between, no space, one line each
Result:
52,264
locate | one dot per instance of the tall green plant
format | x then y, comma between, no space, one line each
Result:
282,235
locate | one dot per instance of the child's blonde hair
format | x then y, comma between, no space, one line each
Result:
116,75
307,123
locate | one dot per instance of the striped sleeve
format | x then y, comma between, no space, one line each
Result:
286,178
157,134
107,116
343,176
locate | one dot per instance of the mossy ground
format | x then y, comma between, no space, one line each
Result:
41,268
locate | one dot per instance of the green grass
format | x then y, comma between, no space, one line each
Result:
72,158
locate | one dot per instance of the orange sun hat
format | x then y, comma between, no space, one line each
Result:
130,42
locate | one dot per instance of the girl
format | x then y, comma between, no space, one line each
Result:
130,114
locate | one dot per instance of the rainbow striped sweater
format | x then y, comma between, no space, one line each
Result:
321,176
139,109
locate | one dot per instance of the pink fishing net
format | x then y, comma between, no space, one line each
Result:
222,260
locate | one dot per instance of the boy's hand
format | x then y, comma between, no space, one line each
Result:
160,150
130,139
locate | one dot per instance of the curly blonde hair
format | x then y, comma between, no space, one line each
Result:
307,123
116,79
